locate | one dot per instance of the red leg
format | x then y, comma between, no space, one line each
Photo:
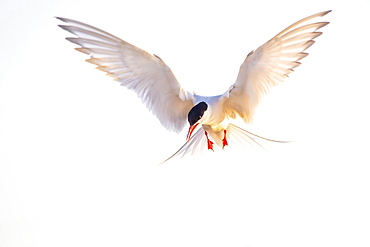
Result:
209,142
224,141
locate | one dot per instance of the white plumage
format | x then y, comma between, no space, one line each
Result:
145,74
156,85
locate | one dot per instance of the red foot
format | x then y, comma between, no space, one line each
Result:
209,142
224,141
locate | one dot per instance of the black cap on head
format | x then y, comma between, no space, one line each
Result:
197,112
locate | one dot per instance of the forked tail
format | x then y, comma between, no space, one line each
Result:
198,142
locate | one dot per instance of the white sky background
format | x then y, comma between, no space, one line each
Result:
78,153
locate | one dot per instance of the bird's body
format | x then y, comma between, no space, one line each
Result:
215,120
215,117
156,85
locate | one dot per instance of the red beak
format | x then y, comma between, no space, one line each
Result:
190,131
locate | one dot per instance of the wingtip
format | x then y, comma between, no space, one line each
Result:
323,13
66,20
73,40
60,18
92,61
64,27
83,50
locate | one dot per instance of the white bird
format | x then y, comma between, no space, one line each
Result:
153,81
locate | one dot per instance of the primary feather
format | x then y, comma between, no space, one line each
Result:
270,64
136,69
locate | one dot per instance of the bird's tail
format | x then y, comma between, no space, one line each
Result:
236,136
191,146
241,136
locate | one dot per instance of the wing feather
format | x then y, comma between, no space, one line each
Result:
270,64
147,75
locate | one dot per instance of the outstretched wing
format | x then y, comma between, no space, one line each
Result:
136,69
270,64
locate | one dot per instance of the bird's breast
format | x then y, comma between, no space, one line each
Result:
215,116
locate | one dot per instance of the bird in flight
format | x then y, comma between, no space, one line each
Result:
155,84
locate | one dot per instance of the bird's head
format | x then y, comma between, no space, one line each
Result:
194,115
